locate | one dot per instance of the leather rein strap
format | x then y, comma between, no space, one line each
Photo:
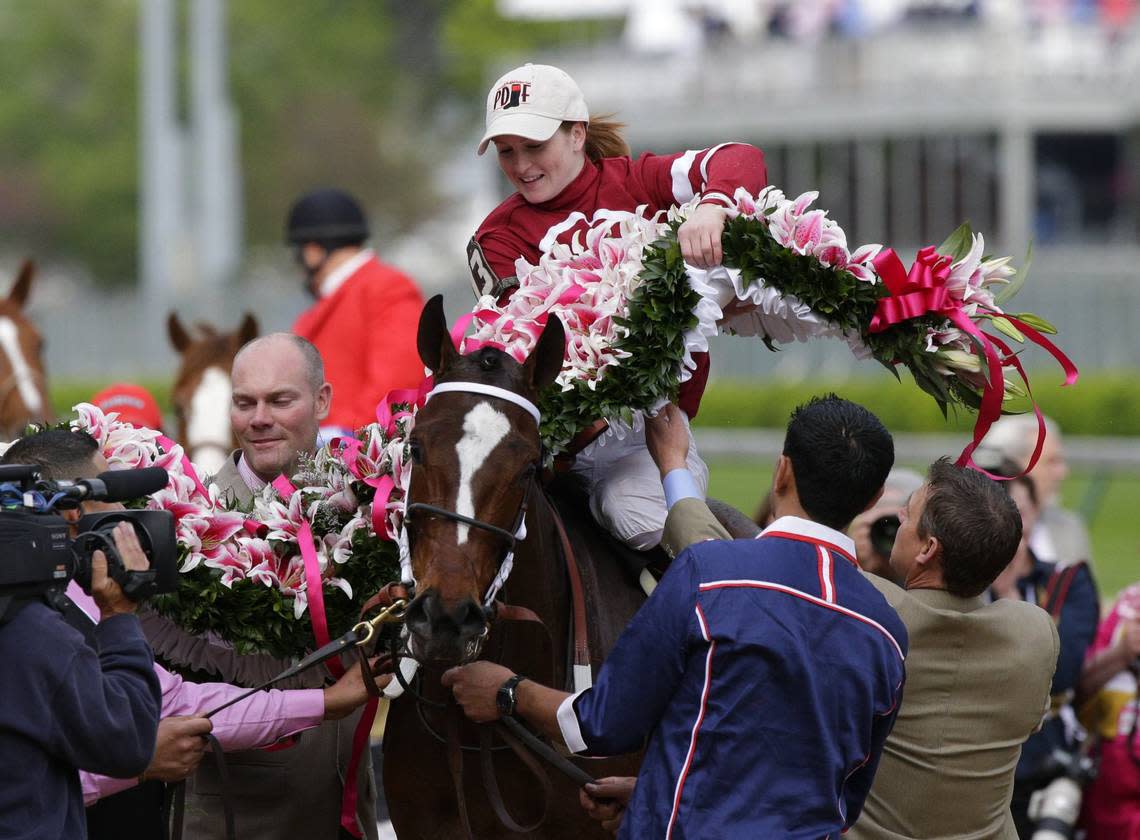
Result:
522,742
176,794
581,656
454,717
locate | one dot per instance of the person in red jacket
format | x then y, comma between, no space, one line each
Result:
565,166
364,320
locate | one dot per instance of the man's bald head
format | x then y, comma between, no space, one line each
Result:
279,400
311,357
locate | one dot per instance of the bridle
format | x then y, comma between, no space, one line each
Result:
515,737
510,538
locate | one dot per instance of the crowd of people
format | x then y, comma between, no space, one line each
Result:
895,655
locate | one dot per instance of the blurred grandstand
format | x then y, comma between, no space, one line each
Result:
908,116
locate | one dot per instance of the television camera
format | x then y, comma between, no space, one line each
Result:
38,556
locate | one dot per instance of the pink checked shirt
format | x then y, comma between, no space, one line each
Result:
261,720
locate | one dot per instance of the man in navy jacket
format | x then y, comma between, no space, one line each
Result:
766,674
67,705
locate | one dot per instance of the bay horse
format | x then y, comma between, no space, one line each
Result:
478,454
23,381
201,393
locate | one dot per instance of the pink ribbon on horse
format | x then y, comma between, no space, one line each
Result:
461,325
922,290
314,583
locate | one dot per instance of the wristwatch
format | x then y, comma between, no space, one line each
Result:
506,698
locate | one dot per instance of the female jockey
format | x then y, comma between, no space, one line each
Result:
565,167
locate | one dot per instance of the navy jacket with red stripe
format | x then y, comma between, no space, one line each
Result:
766,675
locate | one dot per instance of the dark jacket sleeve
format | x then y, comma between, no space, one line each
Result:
1080,615
858,784
642,672
106,708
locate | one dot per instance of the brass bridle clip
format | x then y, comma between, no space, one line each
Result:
392,614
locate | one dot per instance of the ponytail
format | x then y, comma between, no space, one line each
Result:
603,138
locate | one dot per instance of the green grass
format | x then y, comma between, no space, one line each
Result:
1108,503
1104,403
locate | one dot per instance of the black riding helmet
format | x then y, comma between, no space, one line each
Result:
329,217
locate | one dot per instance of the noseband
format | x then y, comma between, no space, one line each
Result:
510,538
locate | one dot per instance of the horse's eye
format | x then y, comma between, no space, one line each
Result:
416,452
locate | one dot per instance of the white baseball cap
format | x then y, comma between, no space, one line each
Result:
532,101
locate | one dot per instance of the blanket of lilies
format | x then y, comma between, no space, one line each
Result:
243,577
634,314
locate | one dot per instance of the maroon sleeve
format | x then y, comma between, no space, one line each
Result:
693,388
715,173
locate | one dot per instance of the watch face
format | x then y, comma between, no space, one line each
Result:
505,700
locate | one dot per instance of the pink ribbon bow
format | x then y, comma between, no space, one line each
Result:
922,290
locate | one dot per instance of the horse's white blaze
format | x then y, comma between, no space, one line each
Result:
21,372
483,428
208,431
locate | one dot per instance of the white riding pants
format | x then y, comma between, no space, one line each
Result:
626,496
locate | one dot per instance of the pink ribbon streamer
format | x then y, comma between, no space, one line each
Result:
187,467
359,744
314,584
348,449
922,290
315,587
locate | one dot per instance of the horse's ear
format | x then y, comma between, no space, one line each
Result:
23,285
433,339
545,361
248,330
179,338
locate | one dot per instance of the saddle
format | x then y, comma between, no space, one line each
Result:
570,499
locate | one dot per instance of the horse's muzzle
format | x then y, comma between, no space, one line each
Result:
445,634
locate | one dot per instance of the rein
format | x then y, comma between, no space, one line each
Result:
514,735
356,639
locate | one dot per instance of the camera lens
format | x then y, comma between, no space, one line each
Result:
883,531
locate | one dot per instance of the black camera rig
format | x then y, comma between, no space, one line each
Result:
37,555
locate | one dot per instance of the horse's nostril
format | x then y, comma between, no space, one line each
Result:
470,619
416,618
429,617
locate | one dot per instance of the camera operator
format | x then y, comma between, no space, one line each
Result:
67,705
873,531
1109,682
257,722
1068,594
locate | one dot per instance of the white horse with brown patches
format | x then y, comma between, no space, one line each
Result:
201,394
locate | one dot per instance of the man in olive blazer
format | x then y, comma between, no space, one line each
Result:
978,675
279,399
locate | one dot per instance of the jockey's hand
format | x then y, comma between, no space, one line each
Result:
475,687
606,799
178,749
667,438
700,235
349,692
